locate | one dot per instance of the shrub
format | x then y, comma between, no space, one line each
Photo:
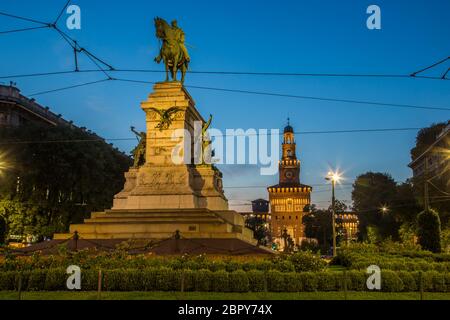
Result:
307,261
309,281
165,279
2,231
89,280
220,281
56,280
429,231
203,280
149,279
328,281
263,265
114,280
168,280
188,277
36,279
124,280
447,281
391,282
436,281
257,281
216,265
232,266
292,282
356,280
275,281
8,280
409,281
239,281
284,266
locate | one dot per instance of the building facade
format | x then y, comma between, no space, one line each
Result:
17,110
289,197
260,209
435,159
347,225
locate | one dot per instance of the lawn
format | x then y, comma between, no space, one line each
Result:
12,295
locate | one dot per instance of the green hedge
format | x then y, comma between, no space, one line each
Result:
358,257
165,279
299,262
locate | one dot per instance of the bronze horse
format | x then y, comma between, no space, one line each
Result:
171,52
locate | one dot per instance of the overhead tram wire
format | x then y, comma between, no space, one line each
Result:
24,18
12,142
23,29
72,42
444,76
69,87
383,104
74,45
343,75
351,101
413,75
61,12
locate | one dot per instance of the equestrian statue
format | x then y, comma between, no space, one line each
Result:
173,51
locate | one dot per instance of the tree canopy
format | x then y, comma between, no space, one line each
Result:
56,176
429,231
373,191
425,138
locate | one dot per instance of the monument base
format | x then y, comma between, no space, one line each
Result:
162,201
162,224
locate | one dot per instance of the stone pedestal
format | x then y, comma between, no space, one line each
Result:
161,197
161,183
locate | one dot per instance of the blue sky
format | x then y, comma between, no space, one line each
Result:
255,36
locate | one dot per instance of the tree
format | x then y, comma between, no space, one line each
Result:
258,226
371,191
405,205
51,185
439,182
339,207
429,230
425,138
318,226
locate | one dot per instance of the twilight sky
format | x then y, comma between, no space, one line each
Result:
252,36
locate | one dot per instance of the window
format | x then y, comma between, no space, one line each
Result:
289,205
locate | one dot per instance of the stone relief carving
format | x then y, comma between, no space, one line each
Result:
162,179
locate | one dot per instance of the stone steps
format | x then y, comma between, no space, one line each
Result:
156,236
138,220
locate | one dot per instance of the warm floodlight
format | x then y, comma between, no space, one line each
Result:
3,163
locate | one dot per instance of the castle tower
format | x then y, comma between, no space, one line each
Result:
289,197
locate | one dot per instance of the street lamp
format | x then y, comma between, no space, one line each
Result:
333,177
